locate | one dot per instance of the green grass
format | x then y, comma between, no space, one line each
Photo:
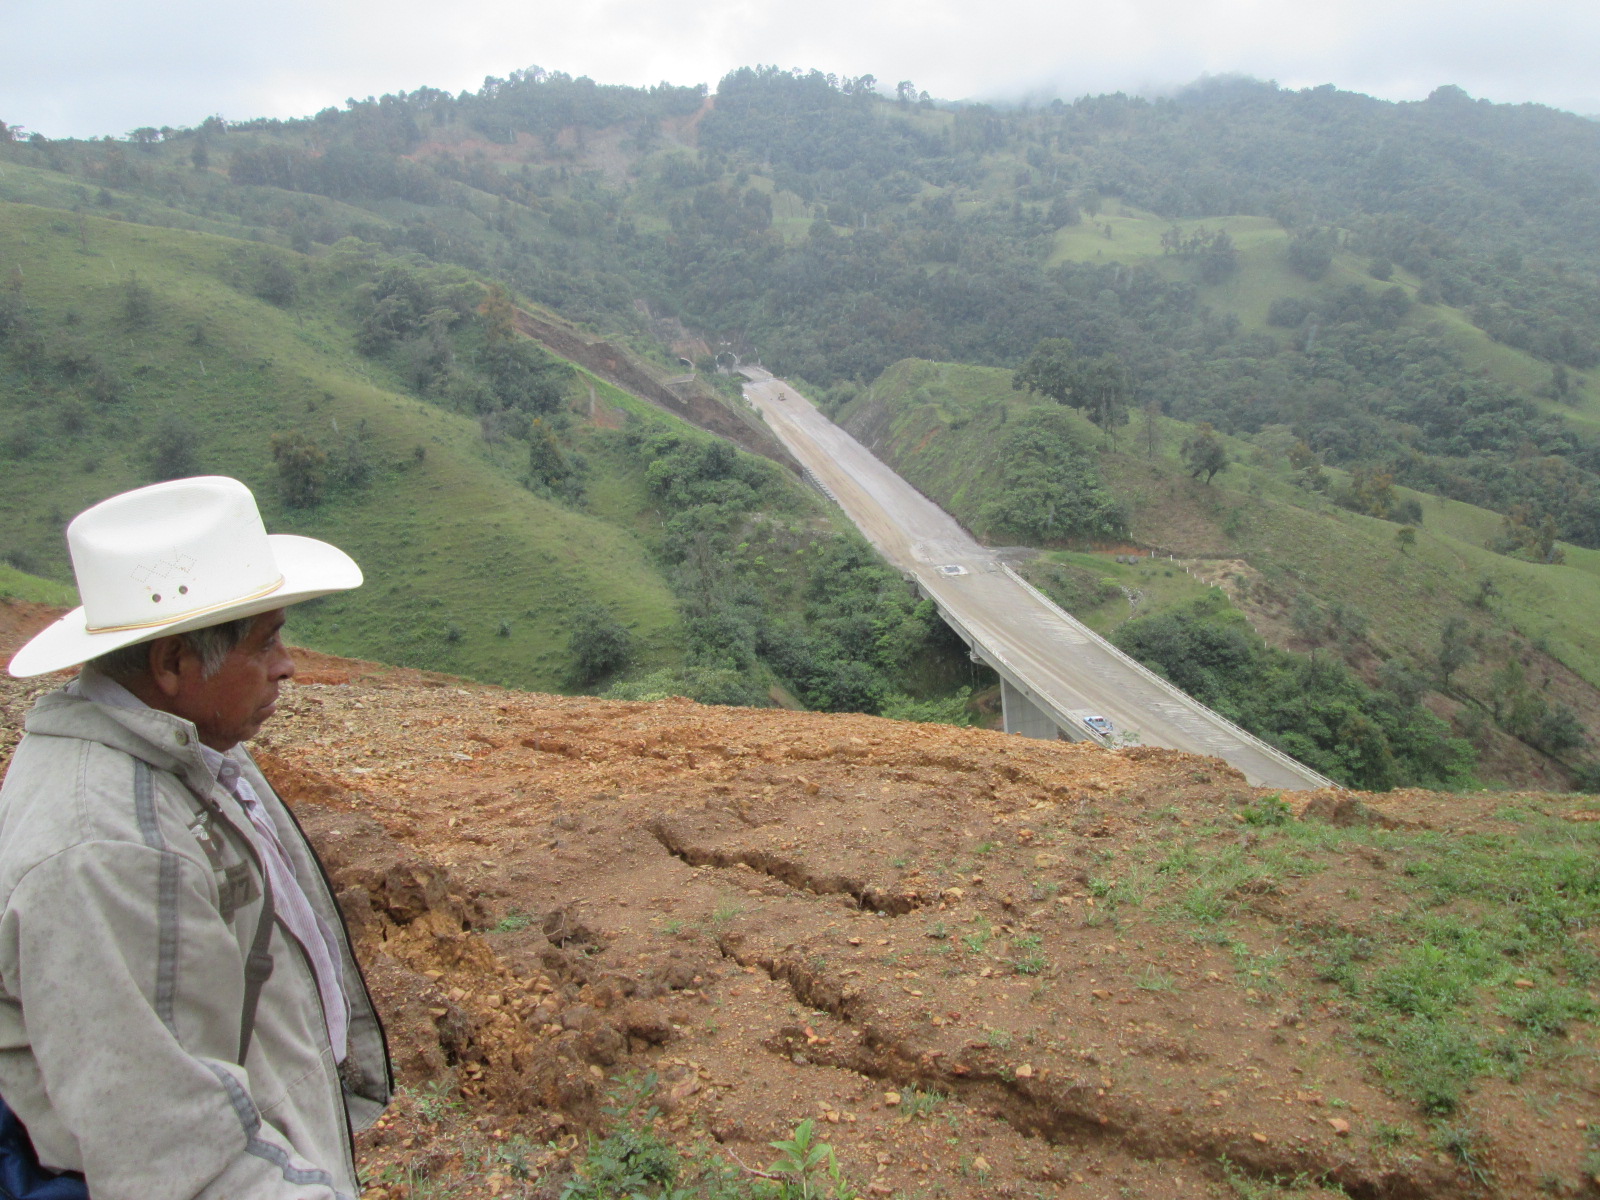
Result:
1473,965
17,585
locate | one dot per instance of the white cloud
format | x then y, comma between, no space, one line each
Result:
86,67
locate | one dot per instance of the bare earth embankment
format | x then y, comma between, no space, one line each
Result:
986,966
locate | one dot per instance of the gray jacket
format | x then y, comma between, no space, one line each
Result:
130,899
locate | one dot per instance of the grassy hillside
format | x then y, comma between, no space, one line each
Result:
19,585
1120,233
451,541
519,519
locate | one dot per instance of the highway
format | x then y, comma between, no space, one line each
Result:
1062,666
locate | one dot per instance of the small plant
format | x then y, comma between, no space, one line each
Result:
914,1103
807,1169
1152,980
998,1038
631,1159
937,931
673,927
1029,960
1387,1134
1269,810
977,940
1461,1142
513,921
725,911
435,1102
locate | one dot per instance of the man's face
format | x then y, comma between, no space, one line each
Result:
233,704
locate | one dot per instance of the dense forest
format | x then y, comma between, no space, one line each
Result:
833,231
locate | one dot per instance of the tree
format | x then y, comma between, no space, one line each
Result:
275,280
172,449
1097,387
138,305
1455,651
1051,370
1405,537
499,316
600,644
1204,453
1311,253
302,468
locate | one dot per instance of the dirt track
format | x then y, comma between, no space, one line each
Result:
787,915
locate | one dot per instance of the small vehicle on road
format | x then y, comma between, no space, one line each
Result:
1098,724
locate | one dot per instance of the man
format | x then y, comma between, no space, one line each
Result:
180,1012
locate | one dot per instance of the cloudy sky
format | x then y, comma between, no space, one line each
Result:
82,68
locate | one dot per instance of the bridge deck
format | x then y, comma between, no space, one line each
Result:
1063,668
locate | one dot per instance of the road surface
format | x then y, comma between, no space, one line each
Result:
1054,657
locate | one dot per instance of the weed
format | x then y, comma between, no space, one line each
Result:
1029,960
673,927
1387,1134
999,1039
1269,810
914,1103
514,921
938,931
1461,1142
978,939
435,1102
1549,1010
807,1169
1152,980
1248,1188
726,911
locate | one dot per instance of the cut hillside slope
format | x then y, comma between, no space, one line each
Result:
987,966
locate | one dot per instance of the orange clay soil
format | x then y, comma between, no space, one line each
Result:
967,955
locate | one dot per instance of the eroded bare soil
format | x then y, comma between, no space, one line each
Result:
956,949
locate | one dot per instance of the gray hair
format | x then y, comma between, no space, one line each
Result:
211,645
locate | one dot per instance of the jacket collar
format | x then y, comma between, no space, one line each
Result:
167,742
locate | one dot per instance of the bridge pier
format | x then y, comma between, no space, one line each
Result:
1023,716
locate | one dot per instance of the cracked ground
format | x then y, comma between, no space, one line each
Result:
986,966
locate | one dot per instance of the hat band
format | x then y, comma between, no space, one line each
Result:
197,612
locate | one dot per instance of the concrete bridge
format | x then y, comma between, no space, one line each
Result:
1055,672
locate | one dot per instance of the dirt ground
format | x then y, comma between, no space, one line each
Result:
899,930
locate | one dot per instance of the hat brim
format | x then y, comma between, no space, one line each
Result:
310,569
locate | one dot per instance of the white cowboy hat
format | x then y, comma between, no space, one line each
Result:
174,557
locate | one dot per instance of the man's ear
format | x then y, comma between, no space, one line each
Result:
166,664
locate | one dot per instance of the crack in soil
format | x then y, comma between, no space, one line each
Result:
868,897
1062,1112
